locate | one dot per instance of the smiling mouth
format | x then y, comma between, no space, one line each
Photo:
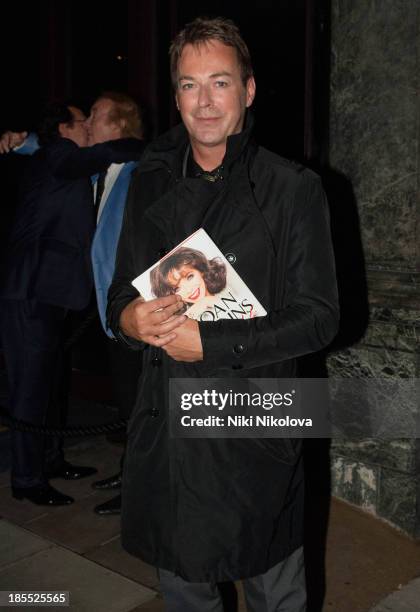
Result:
195,294
207,118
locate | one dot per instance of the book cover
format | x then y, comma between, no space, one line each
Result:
209,286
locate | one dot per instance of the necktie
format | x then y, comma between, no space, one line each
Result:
100,185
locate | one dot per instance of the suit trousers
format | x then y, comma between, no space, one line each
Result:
32,342
281,589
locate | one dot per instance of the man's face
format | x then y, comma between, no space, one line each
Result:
210,95
76,132
100,127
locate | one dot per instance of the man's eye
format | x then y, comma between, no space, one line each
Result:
186,86
190,277
221,83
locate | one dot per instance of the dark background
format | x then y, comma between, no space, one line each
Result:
52,49
74,50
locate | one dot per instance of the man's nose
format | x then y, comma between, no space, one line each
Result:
204,96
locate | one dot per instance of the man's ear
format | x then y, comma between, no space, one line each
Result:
250,91
176,101
63,130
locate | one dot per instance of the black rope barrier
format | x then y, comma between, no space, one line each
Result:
66,432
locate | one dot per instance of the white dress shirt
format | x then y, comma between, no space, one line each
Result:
110,178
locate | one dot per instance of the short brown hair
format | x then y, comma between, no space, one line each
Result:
126,110
204,29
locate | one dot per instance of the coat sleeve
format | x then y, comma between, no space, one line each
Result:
308,319
76,162
121,291
29,146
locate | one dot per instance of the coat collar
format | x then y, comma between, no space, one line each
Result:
169,150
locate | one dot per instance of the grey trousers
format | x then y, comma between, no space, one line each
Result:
281,589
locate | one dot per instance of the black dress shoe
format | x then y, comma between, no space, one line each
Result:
112,506
71,472
42,495
113,482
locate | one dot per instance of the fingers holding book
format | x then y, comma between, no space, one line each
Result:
154,321
186,346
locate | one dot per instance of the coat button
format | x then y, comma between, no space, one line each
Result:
238,349
231,257
156,362
154,412
162,252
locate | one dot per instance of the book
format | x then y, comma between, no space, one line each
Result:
209,286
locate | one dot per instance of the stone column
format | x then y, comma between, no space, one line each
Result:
374,143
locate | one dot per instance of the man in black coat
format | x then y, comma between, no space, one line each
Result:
46,274
207,510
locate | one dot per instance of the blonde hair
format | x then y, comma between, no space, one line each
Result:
125,111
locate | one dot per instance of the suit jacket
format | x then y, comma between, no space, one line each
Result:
104,245
48,257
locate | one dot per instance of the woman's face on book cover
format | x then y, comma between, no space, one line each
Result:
188,283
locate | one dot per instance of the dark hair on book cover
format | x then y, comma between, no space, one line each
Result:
213,271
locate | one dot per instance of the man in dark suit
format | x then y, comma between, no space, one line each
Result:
47,273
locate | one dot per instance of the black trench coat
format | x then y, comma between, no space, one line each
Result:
223,509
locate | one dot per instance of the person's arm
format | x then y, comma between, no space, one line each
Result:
18,142
75,162
121,291
29,146
309,320
134,322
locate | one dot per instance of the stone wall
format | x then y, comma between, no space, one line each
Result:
374,143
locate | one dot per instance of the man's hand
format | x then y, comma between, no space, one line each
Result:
187,344
10,140
154,321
